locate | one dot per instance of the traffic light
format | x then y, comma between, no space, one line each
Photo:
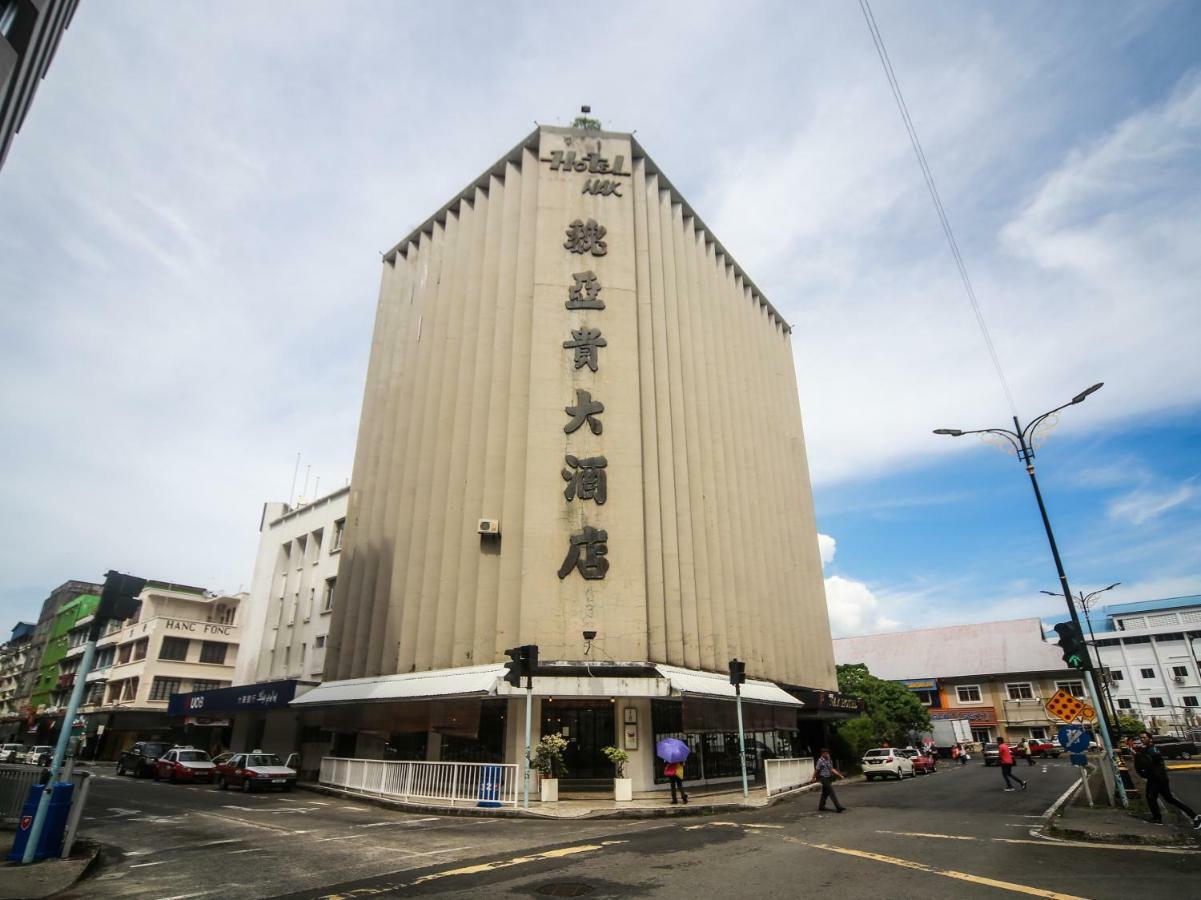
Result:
1071,642
119,598
737,671
523,662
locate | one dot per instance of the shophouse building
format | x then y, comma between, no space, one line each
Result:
27,682
285,625
181,639
996,675
581,431
1150,652
12,665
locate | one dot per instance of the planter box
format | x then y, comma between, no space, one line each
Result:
550,790
623,789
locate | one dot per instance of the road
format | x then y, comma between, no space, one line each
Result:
949,835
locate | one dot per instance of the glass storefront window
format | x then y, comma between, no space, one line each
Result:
715,753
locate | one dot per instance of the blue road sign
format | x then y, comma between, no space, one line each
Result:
1074,738
1078,759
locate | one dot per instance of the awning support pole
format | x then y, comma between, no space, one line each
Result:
741,741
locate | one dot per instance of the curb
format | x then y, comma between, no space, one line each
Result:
1047,828
698,808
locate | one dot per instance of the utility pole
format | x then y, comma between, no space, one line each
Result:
118,600
523,662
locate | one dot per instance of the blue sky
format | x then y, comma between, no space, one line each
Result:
191,218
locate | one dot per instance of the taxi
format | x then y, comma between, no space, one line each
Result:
254,770
184,764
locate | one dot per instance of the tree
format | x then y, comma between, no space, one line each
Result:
893,712
1130,725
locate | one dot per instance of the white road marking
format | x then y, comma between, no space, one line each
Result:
436,852
161,862
354,808
186,896
225,841
248,850
345,838
401,822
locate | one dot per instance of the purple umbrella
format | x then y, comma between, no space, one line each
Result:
672,750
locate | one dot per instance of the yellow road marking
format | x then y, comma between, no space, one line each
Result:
754,825
946,873
1057,842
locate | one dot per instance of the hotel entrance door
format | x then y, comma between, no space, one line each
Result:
587,726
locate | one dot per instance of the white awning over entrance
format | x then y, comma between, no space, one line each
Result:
469,681
713,684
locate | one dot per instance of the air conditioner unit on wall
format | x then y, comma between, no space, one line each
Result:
1179,679
489,526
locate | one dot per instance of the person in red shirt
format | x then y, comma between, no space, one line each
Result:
1005,757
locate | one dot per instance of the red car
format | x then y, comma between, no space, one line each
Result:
184,764
1043,749
923,763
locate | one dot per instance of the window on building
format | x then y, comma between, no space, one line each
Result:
1189,701
1038,733
319,642
968,693
1115,675
301,545
1020,691
308,610
927,697
1075,688
139,648
199,684
213,652
1123,703
1140,639
303,649
1156,702
287,656
162,688
327,597
1170,636
1108,642
125,653
315,543
982,735
339,530
1147,673
174,649
1180,671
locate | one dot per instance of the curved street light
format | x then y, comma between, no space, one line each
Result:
1022,441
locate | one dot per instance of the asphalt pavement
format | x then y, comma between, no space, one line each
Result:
956,833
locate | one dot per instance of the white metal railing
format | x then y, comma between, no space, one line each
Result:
784,775
443,782
15,782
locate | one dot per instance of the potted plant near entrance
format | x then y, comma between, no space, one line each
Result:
623,788
548,763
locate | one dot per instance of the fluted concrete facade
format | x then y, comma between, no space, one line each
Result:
712,546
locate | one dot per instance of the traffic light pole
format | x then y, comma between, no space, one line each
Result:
529,704
64,737
1106,742
741,741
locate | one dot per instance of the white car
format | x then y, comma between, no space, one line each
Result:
39,755
11,753
886,762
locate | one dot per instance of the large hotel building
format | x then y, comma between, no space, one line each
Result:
580,430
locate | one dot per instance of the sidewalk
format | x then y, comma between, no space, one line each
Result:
702,801
1108,825
46,878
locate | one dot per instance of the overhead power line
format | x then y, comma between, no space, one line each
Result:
878,39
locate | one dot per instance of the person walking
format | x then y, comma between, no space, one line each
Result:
1027,752
964,756
1148,762
824,771
954,753
1005,757
675,776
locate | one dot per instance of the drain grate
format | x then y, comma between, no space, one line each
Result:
565,889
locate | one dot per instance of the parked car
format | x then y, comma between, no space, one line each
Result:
255,770
184,764
139,759
991,754
923,763
886,762
1173,747
39,755
11,753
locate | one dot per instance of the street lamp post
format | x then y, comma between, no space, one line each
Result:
1022,441
1085,602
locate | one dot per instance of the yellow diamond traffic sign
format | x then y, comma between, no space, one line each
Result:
1066,707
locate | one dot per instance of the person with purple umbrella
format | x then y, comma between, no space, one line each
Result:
673,752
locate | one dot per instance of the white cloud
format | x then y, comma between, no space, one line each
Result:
1143,505
826,546
854,609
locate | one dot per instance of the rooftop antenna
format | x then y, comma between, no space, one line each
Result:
317,488
295,472
304,492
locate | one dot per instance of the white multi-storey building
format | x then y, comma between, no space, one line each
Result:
181,639
12,664
1151,650
287,614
